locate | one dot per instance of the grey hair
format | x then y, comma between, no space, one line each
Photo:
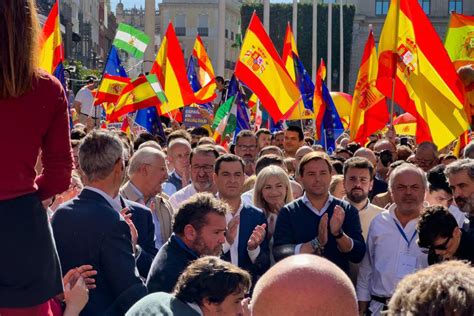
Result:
145,155
180,141
98,153
469,150
460,165
406,167
428,145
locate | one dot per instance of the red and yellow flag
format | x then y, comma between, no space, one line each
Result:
205,73
369,112
289,48
460,39
138,94
170,69
110,89
260,67
426,83
51,47
318,102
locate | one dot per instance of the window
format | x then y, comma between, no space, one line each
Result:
203,25
455,5
381,7
226,33
426,6
231,36
180,24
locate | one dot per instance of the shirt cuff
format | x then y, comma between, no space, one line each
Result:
253,254
298,249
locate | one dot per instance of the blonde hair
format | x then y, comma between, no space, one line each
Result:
267,172
335,180
19,31
249,183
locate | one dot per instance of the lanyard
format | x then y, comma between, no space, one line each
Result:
402,232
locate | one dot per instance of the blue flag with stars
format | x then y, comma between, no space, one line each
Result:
304,83
193,80
114,65
331,126
148,119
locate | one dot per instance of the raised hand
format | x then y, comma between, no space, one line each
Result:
336,220
232,229
258,235
76,297
323,230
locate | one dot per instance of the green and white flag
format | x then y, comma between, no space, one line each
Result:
131,40
155,84
238,35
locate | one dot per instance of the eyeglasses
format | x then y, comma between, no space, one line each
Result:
424,161
245,147
205,168
442,246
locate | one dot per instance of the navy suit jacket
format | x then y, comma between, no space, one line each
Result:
250,217
87,230
143,221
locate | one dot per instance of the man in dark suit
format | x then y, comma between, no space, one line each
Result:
91,230
208,286
318,223
198,230
246,245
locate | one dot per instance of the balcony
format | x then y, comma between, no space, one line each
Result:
180,31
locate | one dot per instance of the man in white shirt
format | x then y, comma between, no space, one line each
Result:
392,251
246,245
89,114
358,181
202,160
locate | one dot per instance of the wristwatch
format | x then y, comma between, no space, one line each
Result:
317,247
339,236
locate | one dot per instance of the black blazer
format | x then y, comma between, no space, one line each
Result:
169,263
250,217
87,230
143,221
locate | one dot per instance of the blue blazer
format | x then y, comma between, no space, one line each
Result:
87,230
143,221
249,218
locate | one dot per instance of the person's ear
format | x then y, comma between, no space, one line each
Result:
190,232
208,305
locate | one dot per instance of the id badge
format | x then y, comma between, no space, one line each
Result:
406,265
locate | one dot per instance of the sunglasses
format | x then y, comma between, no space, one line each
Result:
442,246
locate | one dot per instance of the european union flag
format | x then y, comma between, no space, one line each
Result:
331,126
148,119
304,83
114,65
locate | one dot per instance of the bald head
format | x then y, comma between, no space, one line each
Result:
303,285
366,153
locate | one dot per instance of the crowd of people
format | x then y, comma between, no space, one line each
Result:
99,222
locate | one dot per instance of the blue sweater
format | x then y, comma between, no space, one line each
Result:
297,224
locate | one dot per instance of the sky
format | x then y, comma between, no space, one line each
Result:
138,3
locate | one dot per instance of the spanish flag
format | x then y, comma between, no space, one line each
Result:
318,102
426,83
51,47
110,89
205,73
459,40
289,48
261,69
369,112
170,69
138,94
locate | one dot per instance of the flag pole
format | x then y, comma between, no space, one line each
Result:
329,48
341,48
392,102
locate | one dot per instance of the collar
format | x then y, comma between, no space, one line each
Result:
196,308
391,211
181,244
175,174
365,207
137,191
328,201
241,206
114,202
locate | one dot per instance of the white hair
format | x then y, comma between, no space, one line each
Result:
404,168
145,155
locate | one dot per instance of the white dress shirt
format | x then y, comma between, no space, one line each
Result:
182,195
234,248
113,201
389,257
247,197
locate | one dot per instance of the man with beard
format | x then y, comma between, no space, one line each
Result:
246,148
246,243
358,181
198,230
202,160
392,251
460,176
